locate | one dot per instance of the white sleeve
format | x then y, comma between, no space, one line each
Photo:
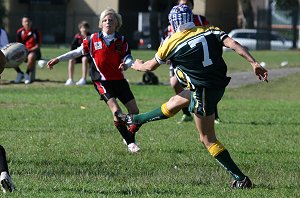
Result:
72,54
128,60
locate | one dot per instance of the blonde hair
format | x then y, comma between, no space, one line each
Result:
111,11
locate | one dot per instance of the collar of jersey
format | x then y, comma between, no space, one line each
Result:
100,34
185,26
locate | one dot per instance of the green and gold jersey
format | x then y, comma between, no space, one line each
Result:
196,55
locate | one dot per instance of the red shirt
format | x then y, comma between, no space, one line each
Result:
77,40
200,20
106,59
29,37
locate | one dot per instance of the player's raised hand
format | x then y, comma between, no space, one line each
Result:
260,71
52,62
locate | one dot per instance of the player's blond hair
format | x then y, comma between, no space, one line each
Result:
111,11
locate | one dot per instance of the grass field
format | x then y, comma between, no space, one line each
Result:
61,141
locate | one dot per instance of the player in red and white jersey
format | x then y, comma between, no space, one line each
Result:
32,39
109,50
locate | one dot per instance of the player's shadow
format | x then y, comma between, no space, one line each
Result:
262,123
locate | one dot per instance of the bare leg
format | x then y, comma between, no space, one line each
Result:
31,62
71,69
178,88
84,67
205,127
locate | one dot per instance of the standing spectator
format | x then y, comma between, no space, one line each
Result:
108,49
196,52
83,27
31,38
3,38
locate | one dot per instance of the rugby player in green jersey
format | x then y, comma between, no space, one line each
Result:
196,52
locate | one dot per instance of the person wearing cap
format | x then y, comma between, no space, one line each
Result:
199,20
196,52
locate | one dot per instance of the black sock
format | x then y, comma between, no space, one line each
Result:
122,128
3,162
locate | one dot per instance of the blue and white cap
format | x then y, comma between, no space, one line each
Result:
179,15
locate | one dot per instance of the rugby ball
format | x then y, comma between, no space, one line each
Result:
41,63
15,54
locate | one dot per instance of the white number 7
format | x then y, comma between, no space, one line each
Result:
207,61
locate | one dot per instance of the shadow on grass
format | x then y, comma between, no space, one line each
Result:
38,81
264,123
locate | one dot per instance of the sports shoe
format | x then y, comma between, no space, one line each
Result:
69,82
133,148
6,183
129,121
27,79
185,118
81,82
19,78
218,121
245,183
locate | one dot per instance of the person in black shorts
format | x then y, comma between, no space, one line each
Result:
108,50
31,38
83,27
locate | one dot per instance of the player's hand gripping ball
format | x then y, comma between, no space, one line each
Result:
15,54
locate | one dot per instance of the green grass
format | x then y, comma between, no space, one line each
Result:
58,149
235,63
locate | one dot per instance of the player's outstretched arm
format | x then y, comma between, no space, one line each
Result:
261,72
69,55
52,62
149,65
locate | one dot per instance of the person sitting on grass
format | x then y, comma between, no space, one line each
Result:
85,60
